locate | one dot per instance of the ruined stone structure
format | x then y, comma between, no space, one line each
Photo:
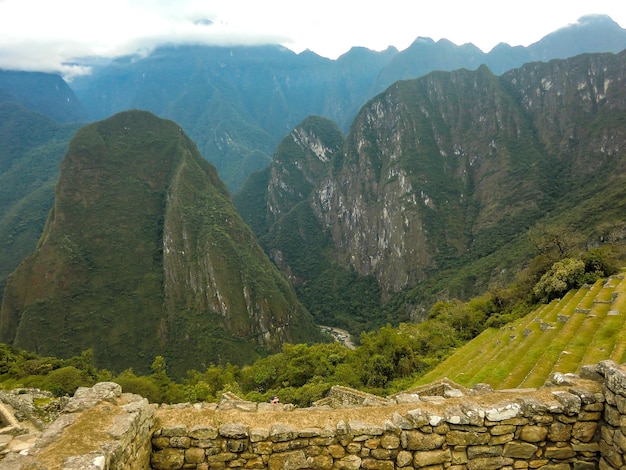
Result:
574,422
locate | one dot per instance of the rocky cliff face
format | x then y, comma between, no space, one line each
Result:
444,170
143,254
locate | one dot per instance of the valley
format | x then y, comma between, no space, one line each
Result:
191,209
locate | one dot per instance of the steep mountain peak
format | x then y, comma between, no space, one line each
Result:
144,254
591,33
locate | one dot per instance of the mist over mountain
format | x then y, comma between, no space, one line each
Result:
237,103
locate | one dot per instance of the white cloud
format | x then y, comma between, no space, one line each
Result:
50,35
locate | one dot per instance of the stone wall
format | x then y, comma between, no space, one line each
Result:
556,430
574,422
100,428
613,430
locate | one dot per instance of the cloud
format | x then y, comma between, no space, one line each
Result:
54,36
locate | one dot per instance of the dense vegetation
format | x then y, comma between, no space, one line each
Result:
386,360
153,257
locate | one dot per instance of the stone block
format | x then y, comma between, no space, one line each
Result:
203,432
559,432
571,403
583,465
589,416
401,422
194,455
503,411
174,431
489,463
353,448
612,416
431,457
499,440
615,380
233,430
167,459
584,431
262,448
382,454
336,451
390,441
322,441
349,462
258,435
360,428
404,458
372,443
620,402
160,442
294,460
221,457
255,463
520,450
320,462
282,433
499,430
619,439
474,452
459,455
559,453
182,442
557,466
310,432
462,438
531,433
417,440
373,464
586,396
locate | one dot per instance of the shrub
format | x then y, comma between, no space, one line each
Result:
561,277
66,380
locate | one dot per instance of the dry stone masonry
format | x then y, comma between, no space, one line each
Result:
574,422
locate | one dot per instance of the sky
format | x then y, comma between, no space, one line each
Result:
57,35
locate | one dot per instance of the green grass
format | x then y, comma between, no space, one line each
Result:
558,337
549,349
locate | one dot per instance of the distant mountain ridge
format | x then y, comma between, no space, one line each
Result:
44,93
144,255
237,103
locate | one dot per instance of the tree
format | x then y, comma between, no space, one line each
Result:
562,276
555,243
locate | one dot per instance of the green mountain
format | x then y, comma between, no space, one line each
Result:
32,148
277,204
44,93
143,254
441,178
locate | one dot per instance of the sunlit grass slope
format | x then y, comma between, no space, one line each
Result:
584,327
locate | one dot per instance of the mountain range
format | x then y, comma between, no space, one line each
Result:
237,103
383,190
441,179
